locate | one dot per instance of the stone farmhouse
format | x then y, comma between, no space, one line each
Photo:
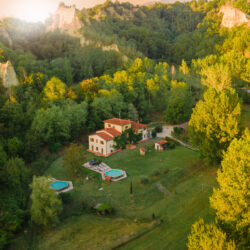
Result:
102,141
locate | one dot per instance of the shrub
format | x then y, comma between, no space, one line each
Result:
158,128
169,139
154,133
171,145
66,198
178,130
54,148
156,173
144,180
105,209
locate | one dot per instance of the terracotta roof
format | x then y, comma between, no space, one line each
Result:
143,149
161,142
117,121
138,125
111,131
105,136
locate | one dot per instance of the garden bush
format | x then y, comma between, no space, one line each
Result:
56,147
154,133
178,130
158,128
169,139
171,145
105,209
144,180
156,173
66,198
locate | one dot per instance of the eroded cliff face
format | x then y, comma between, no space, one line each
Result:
66,20
233,17
8,75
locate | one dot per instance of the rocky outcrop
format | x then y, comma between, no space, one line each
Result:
66,20
233,17
8,75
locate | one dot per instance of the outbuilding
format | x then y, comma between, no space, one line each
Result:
161,145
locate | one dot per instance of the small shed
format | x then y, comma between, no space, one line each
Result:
161,145
142,151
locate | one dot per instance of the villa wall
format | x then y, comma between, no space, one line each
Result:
96,145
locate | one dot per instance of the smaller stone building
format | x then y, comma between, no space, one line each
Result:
161,145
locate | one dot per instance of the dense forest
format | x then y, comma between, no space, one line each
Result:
170,57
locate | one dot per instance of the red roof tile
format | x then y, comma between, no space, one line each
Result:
143,149
117,121
161,142
113,131
138,125
105,136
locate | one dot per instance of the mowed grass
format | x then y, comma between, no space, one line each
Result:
188,183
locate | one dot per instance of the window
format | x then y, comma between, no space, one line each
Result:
102,142
126,127
109,125
91,139
96,148
96,141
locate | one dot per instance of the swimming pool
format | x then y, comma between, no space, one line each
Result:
114,173
59,185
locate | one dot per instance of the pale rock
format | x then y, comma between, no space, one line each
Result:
233,17
8,75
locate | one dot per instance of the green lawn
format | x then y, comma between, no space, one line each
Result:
188,181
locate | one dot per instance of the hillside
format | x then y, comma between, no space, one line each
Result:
179,71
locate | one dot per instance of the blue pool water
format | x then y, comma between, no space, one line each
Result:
114,173
58,185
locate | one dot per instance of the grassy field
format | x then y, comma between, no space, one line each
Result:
188,182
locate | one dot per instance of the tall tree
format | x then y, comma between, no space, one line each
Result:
45,203
231,199
54,90
208,236
215,123
73,159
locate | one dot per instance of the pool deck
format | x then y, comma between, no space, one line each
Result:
69,188
102,169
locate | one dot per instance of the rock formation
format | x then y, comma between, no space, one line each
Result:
66,20
233,17
8,75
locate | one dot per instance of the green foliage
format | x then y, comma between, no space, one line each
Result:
45,203
54,148
144,180
59,124
105,209
179,104
215,122
14,147
54,90
208,236
73,159
231,199
178,130
154,133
